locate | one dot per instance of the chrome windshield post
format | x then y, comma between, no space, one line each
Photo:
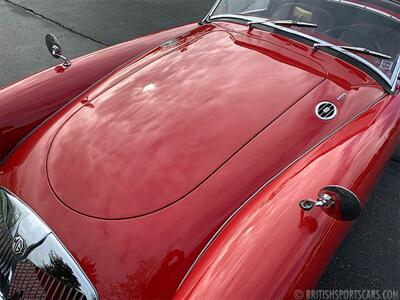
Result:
207,17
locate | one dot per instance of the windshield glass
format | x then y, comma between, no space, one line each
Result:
372,24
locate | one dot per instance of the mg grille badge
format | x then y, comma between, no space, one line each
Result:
18,246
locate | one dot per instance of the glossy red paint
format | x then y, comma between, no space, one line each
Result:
27,103
141,119
147,256
273,250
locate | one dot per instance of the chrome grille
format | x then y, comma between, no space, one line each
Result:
326,110
7,258
31,282
34,264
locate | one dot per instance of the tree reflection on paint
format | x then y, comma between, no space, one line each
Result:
149,279
90,269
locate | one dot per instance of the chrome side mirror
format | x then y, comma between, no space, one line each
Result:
54,47
337,202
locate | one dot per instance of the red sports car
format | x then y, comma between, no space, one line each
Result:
218,160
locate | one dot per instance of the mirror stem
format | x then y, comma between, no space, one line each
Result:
323,200
66,63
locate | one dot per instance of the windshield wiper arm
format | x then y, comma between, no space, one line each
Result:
283,22
294,23
356,49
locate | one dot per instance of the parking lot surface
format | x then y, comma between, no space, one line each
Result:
369,258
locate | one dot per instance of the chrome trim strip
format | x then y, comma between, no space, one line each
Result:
227,221
252,11
368,8
351,3
396,76
381,12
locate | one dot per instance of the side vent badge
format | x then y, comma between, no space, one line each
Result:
326,110
341,97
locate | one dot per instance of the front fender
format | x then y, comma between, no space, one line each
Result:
26,104
271,249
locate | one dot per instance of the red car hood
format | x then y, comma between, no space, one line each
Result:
167,122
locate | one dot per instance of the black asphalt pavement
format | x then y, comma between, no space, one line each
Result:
369,258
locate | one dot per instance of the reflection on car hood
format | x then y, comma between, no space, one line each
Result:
177,116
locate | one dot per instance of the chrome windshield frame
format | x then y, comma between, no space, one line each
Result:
213,8
389,85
